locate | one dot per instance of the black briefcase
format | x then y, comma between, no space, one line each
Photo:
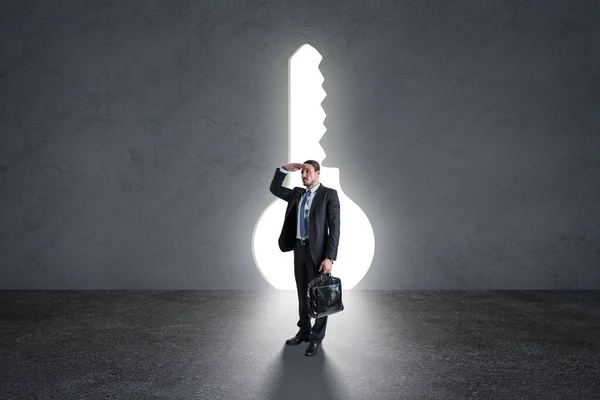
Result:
324,296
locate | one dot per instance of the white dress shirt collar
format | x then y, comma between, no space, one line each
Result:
314,188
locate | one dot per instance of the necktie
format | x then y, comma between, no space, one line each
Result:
303,215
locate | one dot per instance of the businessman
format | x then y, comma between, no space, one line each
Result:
312,230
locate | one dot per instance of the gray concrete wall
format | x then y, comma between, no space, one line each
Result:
138,139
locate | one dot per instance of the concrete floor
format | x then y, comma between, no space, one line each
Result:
230,345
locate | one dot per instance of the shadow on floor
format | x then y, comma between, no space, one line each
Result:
294,376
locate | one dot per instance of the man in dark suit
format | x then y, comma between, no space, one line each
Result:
312,230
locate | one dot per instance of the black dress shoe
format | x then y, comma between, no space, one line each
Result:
312,349
296,340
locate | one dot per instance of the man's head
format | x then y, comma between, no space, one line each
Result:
311,173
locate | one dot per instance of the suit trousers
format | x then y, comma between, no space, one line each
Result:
305,270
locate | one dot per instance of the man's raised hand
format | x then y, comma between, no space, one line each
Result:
293,167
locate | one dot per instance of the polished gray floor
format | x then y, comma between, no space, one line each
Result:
230,345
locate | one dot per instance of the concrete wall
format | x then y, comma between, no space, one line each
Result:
138,139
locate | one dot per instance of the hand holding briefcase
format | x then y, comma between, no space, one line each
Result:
324,296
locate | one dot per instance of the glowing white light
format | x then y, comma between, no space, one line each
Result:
357,242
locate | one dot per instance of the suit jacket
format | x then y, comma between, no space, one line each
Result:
323,220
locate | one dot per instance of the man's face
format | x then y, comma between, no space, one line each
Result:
309,177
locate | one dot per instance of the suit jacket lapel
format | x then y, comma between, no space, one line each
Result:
299,194
318,195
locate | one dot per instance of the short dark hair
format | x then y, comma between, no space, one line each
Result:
314,163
